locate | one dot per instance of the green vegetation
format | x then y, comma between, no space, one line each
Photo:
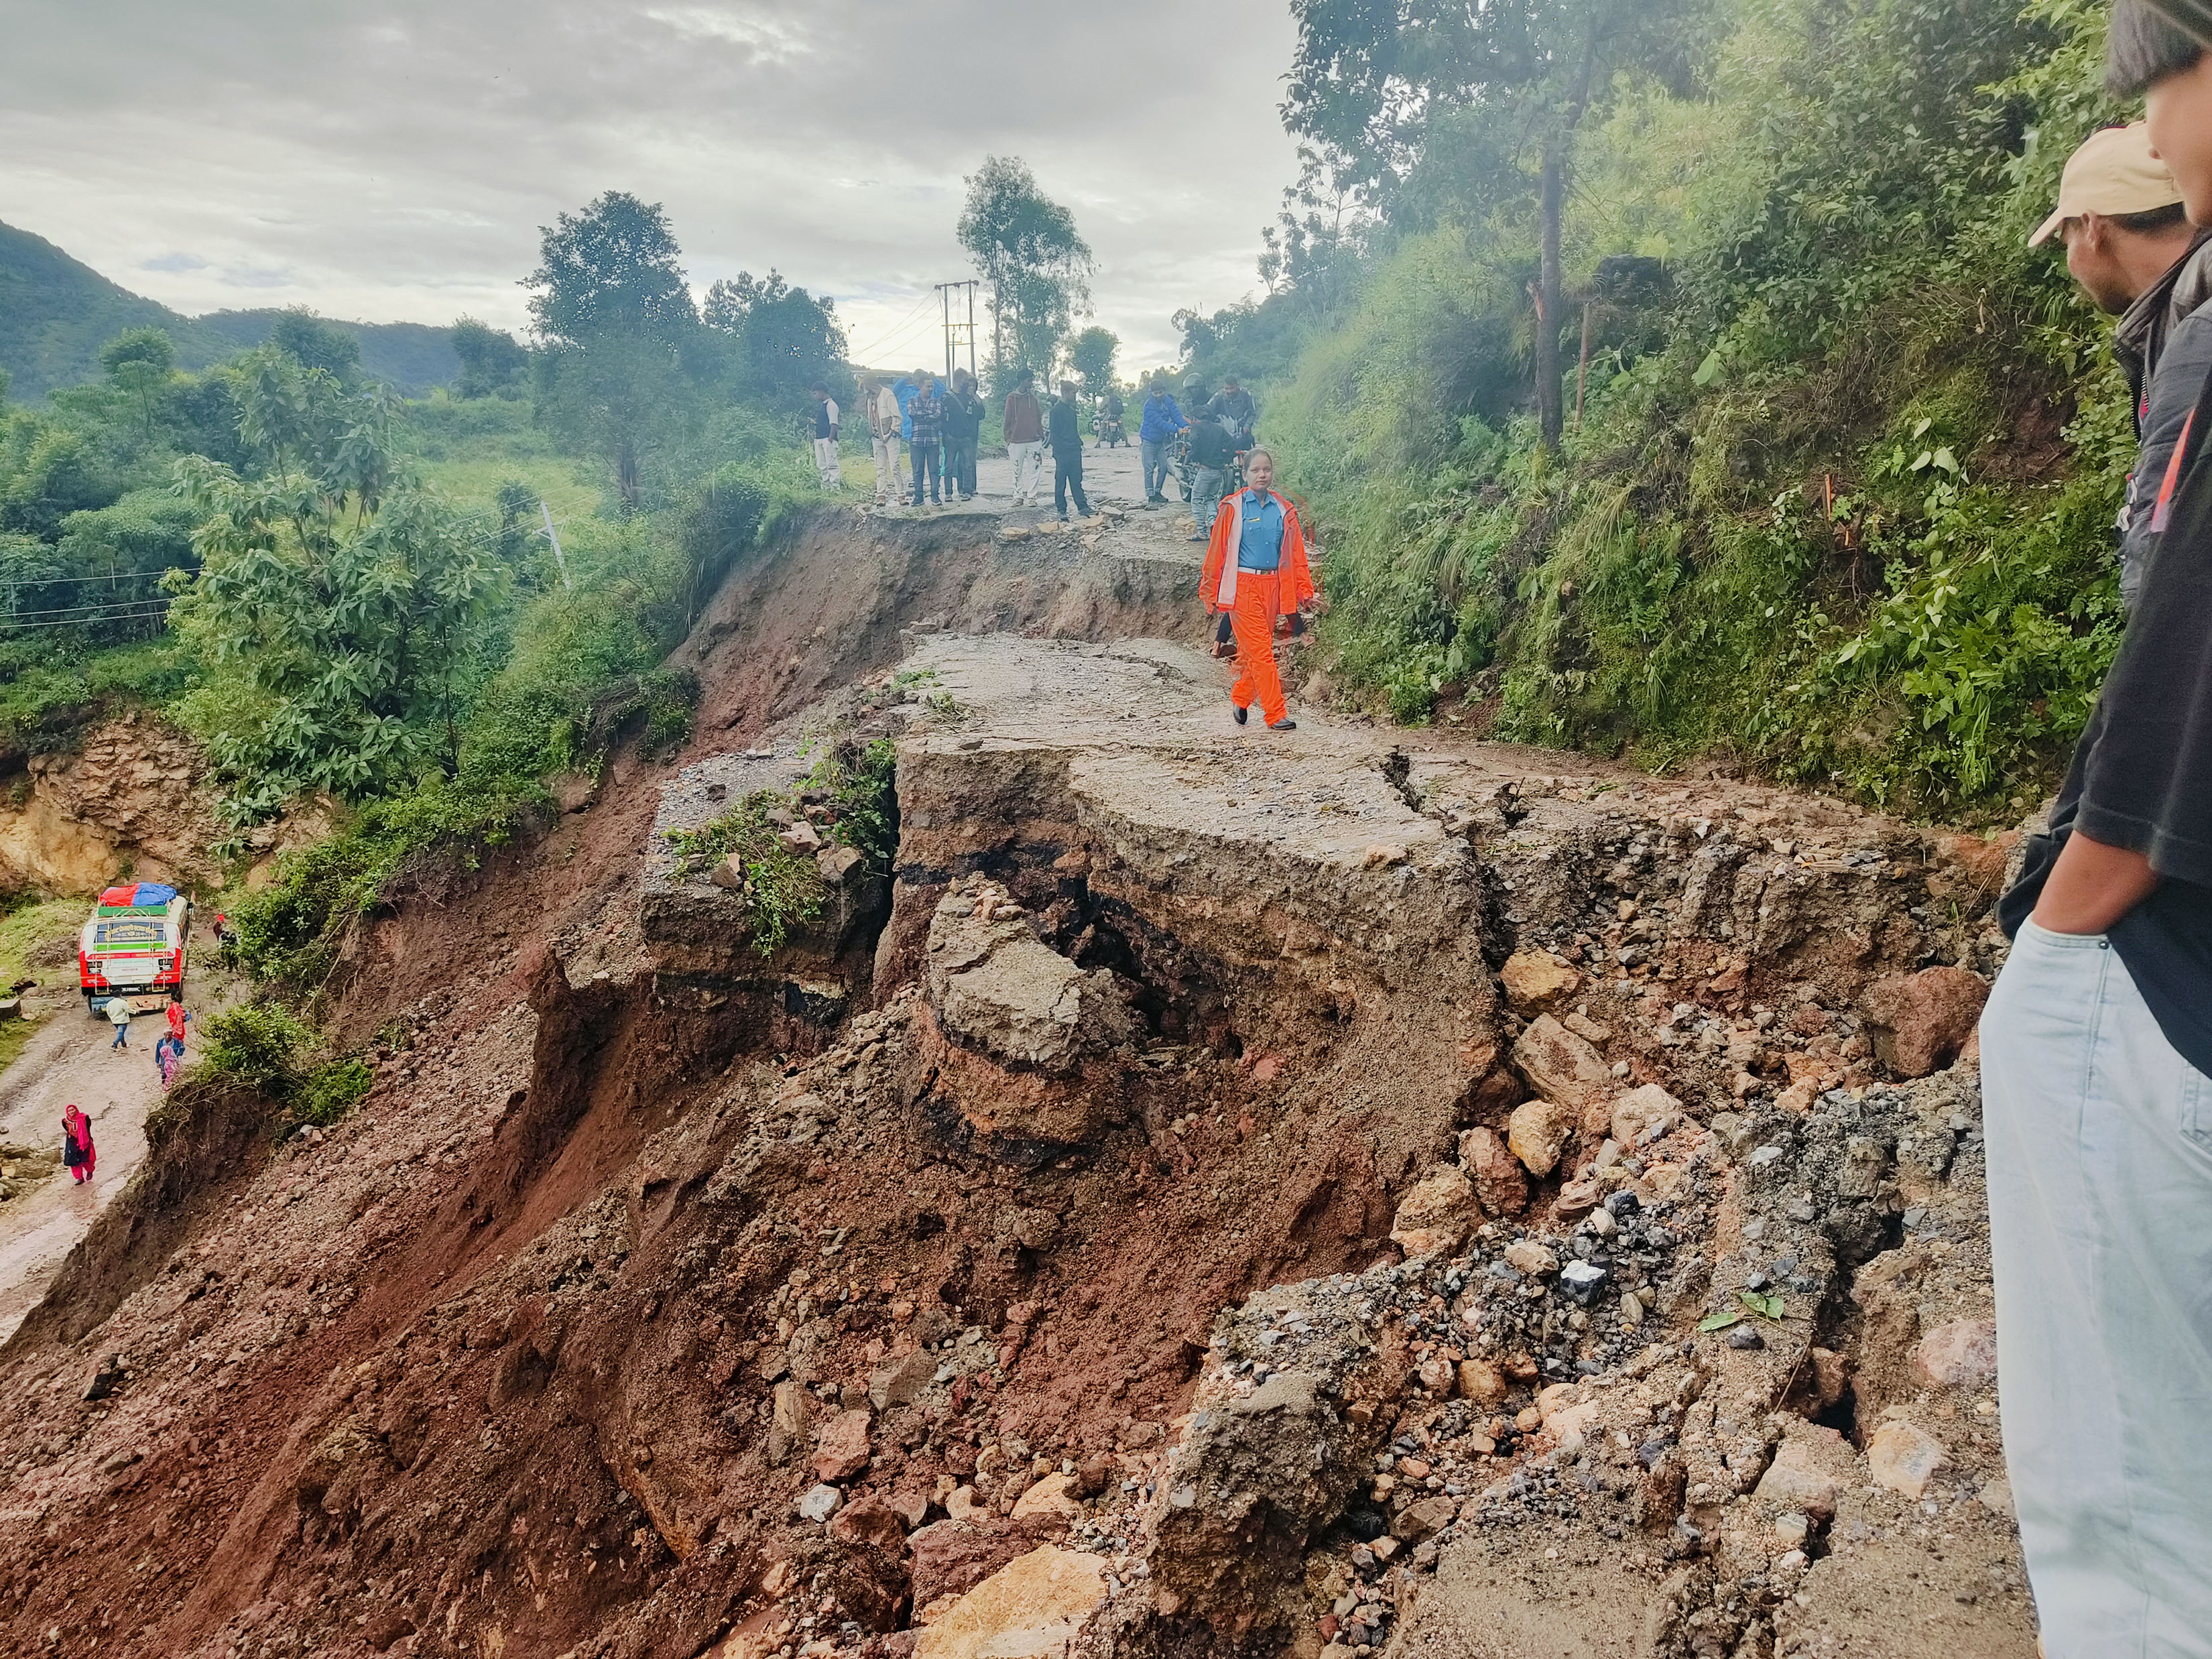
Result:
848,799
1831,499
263,1046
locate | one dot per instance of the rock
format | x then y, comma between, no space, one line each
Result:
1902,1457
1791,1529
1033,1607
1961,1354
1743,1338
951,1558
901,1381
1810,1467
1561,1066
820,1503
1381,855
997,987
1482,1382
1438,1213
1091,1476
106,1379
1537,1133
841,1451
729,870
1050,1496
1501,1186
1535,980
1648,1110
572,792
836,864
1582,1280
911,1505
801,837
1919,1022
1525,1256
1423,1519
963,1504
870,1521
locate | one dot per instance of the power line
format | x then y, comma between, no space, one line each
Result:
80,622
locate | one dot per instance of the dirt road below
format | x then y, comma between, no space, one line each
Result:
73,1058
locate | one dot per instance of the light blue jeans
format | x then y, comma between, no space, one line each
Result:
1206,484
1155,458
2099,1139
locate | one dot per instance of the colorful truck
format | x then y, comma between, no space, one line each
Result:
133,947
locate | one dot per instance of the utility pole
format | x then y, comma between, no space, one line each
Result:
551,536
958,330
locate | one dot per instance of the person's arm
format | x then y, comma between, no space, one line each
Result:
2092,886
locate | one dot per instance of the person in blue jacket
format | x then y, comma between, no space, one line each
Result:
1162,421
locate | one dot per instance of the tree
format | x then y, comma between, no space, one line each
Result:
1091,355
1372,78
1037,266
612,269
338,597
614,312
783,338
1312,250
492,359
140,360
318,344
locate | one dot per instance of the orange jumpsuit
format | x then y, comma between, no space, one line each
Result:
1254,599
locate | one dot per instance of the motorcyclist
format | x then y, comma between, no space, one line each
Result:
1234,409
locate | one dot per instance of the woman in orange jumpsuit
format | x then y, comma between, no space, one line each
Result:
1256,571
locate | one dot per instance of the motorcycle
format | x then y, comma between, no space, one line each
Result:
1107,429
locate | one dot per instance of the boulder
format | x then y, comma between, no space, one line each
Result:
1919,1022
1050,1496
801,837
1033,1607
999,988
1561,1066
1960,1354
1812,1465
951,1558
1525,1256
1901,1457
870,1521
841,1451
836,864
788,1420
900,1382
1424,1518
1482,1382
1536,980
1438,1213
1537,1134
1501,1186
1641,1111
729,871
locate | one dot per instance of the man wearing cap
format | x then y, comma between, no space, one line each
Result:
2133,252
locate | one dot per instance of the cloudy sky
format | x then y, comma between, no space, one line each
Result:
394,162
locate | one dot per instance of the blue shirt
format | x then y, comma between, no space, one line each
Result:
904,391
1260,547
1162,420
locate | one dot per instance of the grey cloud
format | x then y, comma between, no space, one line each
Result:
400,166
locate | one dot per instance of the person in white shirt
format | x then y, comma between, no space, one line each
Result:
825,440
882,405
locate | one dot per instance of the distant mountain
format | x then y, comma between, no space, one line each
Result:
56,312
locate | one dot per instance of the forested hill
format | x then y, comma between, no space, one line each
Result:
56,312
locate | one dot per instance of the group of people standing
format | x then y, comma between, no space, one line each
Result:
1221,431
941,429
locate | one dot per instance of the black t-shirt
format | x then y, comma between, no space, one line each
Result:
2142,774
1210,445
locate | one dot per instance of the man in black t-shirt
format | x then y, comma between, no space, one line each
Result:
2096,1045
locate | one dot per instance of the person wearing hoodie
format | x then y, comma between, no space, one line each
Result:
2133,252
1156,429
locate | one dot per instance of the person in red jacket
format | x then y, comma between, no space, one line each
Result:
1256,571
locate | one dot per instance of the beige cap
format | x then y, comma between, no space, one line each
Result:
2112,173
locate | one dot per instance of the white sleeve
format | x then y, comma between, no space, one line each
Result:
832,403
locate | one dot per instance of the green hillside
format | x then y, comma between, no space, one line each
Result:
57,311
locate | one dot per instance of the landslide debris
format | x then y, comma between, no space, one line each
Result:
1203,1193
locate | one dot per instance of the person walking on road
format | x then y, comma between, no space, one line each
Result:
178,1018
1156,429
168,1056
118,1015
1067,453
827,466
963,431
1256,571
1024,428
2096,1049
78,1154
925,414
1212,453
